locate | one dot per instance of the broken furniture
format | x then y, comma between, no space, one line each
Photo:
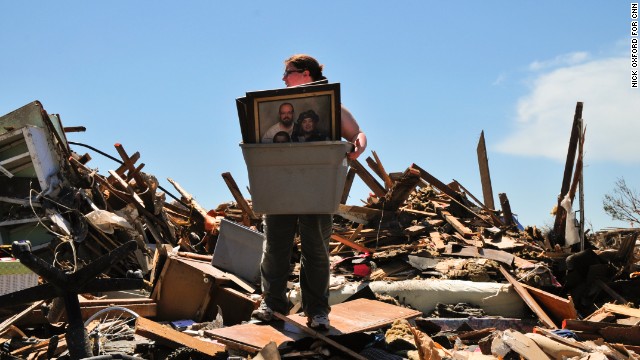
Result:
68,286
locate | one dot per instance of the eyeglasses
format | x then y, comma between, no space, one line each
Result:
288,72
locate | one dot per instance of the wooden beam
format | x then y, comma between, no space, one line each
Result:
436,183
374,167
351,244
11,320
496,220
506,209
359,214
526,297
457,225
368,179
602,285
142,185
622,310
351,174
485,176
401,190
318,335
560,308
384,175
173,338
237,195
557,235
189,199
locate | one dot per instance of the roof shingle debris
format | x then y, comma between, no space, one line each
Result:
421,270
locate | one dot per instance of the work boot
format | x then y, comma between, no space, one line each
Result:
318,322
263,312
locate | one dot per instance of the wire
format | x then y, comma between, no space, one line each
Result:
63,238
121,162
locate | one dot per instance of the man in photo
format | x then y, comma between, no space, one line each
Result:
285,123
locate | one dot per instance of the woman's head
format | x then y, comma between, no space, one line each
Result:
301,69
308,121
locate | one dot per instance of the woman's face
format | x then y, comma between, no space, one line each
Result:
295,77
307,125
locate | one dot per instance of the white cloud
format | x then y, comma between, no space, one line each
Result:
611,113
560,60
500,79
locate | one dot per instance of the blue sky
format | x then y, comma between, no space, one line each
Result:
423,78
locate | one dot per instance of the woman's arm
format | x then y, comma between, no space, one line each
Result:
351,132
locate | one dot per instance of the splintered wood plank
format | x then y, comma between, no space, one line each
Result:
528,299
351,174
387,180
250,336
471,251
361,315
237,195
437,240
485,176
400,191
457,225
625,336
368,179
560,308
621,309
359,214
559,223
349,317
436,183
173,338
351,244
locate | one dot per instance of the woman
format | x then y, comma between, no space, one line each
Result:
314,229
306,128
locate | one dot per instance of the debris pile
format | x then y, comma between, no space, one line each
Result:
421,270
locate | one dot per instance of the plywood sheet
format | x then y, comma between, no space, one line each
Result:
348,317
250,336
361,315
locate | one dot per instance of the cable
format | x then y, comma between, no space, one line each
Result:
121,162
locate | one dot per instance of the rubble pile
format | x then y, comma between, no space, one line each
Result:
421,270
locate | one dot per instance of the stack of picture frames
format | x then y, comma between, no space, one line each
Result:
313,109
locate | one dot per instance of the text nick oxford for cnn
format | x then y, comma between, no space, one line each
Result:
633,53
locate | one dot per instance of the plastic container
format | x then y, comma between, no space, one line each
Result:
239,251
296,178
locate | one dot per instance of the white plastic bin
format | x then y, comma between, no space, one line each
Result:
296,178
239,251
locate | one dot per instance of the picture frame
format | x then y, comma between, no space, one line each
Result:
263,110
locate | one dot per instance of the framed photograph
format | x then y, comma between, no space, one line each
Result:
241,106
305,113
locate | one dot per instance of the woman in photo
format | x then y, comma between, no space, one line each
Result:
307,128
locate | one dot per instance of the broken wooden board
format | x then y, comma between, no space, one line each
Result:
251,337
558,307
485,177
184,288
346,318
351,244
368,179
521,344
361,315
401,190
470,251
457,225
528,299
358,214
173,338
621,309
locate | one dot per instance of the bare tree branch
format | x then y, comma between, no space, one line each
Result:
623,204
